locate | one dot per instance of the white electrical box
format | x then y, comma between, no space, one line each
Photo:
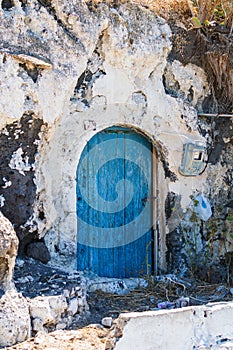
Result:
193,161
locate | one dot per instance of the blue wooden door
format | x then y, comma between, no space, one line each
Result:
114,180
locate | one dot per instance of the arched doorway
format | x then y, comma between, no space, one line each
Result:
114,206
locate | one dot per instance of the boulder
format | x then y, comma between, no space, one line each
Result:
8,251
38,251
15,323
46,310
73,306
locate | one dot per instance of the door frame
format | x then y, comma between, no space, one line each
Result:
155,194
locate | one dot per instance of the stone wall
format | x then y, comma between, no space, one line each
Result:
67,72
197,327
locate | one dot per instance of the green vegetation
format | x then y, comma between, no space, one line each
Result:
212,13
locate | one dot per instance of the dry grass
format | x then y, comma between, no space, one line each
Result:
206,10
165,8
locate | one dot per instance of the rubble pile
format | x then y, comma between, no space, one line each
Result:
101,331
54,296
39,298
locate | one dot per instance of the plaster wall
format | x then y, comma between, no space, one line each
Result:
129,93
95,70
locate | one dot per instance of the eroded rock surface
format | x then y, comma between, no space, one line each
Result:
15,322
8,252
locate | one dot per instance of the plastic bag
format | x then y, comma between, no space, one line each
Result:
201,206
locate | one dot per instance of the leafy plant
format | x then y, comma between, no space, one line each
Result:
212,13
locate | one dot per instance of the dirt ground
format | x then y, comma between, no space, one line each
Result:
86,332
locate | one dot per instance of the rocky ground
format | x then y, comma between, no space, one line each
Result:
87,338
86,331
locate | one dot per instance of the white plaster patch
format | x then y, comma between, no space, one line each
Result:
7,183
116,85
192,81
20,163
89,124
2,201
5,132
9,83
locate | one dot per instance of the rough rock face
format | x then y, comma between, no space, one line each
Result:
18,144
46,311
15,323
8,252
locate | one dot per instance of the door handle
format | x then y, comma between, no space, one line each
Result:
147,199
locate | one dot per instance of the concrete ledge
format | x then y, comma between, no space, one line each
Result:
196,327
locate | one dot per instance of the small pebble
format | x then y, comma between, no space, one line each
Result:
107,321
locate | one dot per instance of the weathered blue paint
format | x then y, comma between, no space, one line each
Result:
114,181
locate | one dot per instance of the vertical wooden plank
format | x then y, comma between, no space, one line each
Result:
155,192
110,174
141,248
